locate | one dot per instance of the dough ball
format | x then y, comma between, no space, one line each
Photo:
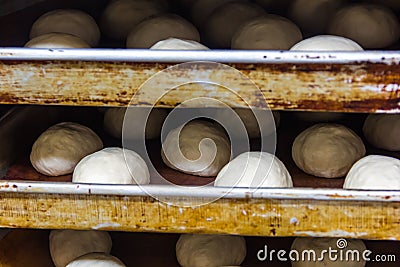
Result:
254,169
383,131
327,43
372,26
202,9
319,244
327,150
250,122
67,245
178,44
96,259
374,173
199,147
58,150
319,116
161,27
71,21
57,40
195,250
313,16
114,118
112,165
268,32
226,19
121,16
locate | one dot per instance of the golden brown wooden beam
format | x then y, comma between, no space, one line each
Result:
366,87
256,217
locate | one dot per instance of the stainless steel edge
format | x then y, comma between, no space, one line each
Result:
198,192
222,56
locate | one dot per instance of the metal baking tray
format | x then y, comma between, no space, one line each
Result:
343,82
200,209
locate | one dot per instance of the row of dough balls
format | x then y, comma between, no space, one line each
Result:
234,24
70,248
194,250
326,150
73,148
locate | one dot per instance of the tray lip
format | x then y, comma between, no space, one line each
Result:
221,56
187,192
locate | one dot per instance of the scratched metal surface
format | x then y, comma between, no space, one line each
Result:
350,82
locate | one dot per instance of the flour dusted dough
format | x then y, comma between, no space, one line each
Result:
313,16
114,118
58,149
96,259
301,244
67,245
112,165
121,16
71,21
210,250
327,43
374,172
226,19
57,40
327,150
383,131
254,169
268,32
161,27
182,146
178,44
372,26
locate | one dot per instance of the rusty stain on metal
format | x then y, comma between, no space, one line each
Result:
365,87
261,217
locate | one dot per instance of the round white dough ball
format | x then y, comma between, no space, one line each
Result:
327,150
374,172
268,32
372,26
71,21
313,16
178,44
202,9
57,40
327,43
195,250
96,259
252,125
319,244
319,116
112,165
161,27
121,16
114,119
200,148
226,19
67,245
383,131
254,169
58,149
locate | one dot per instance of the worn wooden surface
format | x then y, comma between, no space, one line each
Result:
352,88
30,248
